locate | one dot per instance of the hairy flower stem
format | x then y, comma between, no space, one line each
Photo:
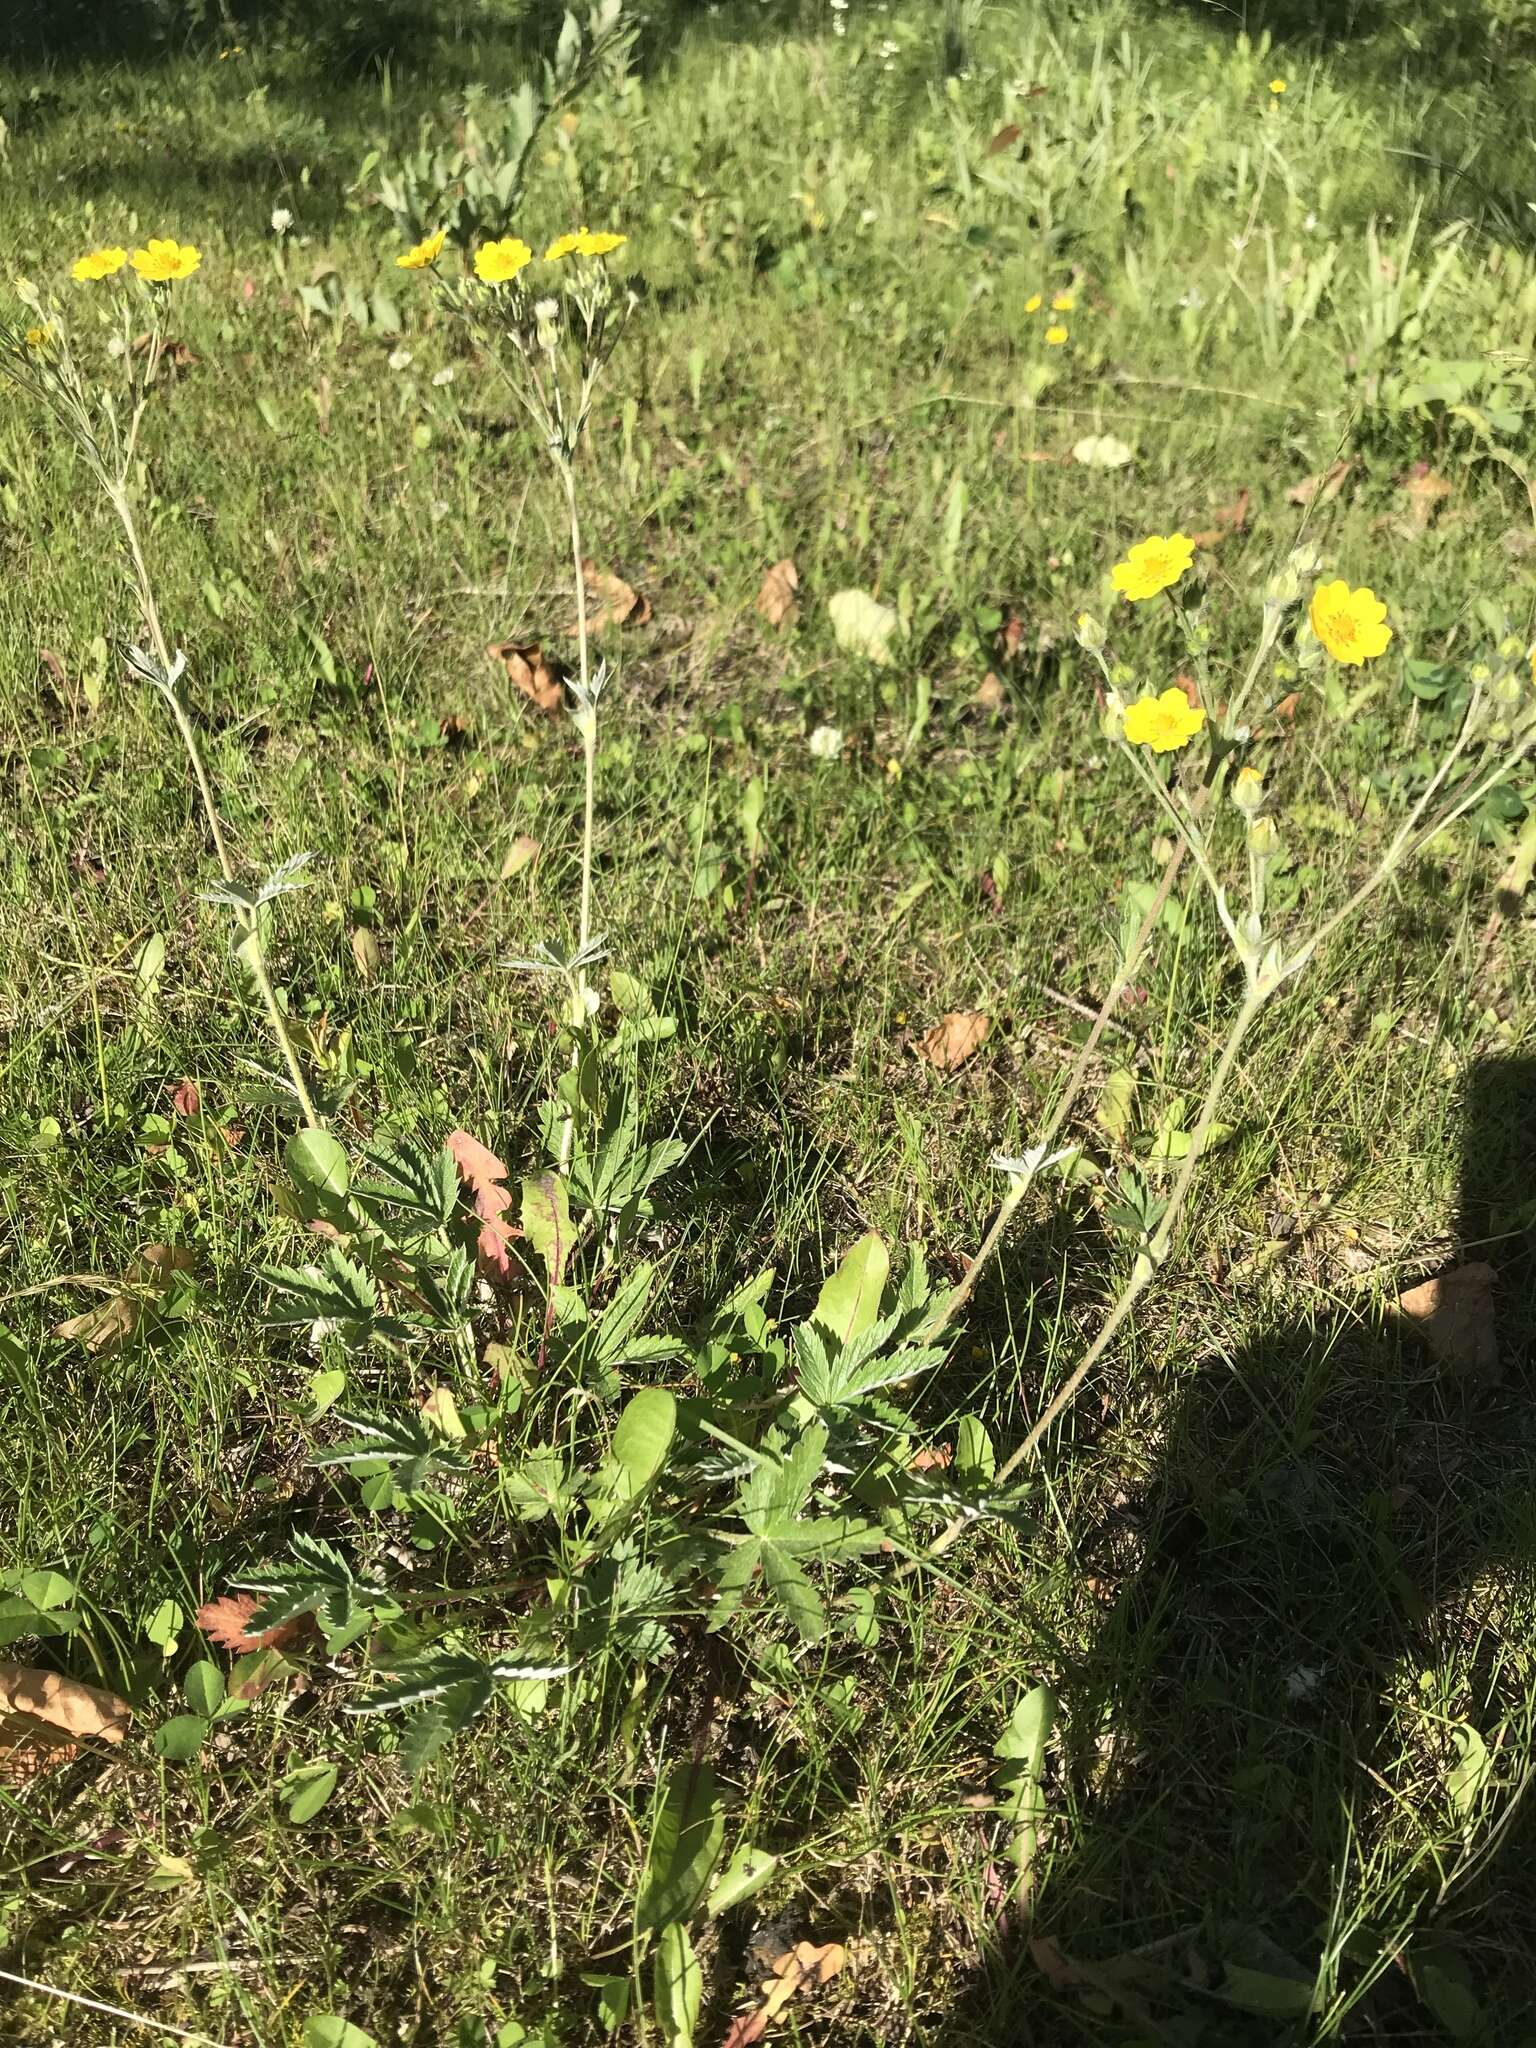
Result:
1142,1272
587,726
956,1300
249,945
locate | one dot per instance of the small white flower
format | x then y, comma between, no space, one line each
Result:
282,220
826,743
400,359
115,345
547,309
1310,222
442,377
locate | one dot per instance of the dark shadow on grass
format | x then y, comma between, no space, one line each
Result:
1467,66
1335,1517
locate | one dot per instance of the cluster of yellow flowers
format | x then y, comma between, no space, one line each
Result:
1056,334
500,261
1351,624
158,262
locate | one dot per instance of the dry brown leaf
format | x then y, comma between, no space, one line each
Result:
1426,493
523,851
932,1459
618,602
776,599
953,1040
1320,490
990,693
103,1327
175,354
484,1175
226,1622
185,1099
1005,138
1229,519
1453,1314
805,1967
54,666
535,678
30,1698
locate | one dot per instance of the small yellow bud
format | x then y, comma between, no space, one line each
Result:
1248,790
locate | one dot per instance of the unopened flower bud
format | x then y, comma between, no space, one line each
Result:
1264,838
1112,719
1248,791
26,291
1283,589
1309,649
1304,562
1090,634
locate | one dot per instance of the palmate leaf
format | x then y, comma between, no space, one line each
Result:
403,1443
422,1182
317,1581
837,1375
779,1535
336,1291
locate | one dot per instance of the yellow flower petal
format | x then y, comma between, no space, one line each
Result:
564,245
425,253
1153,565
1063,302
162,261
1352,624
499,262
1033,303
1163,723
98,263
1055,336
599,245
1277,85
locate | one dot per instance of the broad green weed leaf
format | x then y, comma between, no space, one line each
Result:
1117,1103
204,1688
849,1301
330,2030
643,1438
307,1789
687,1835
547,1222
747,1872
679,1987
180,1738
318,1164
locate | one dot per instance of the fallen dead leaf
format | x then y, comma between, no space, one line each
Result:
185,1099
1320,490
1005,138
226,1621
1426,493
1453,1314
485,1176
523,851
933,1458
1229,519
534,677
618,602
113,1321
805,1967
45,1718
954,1039
776,600
54,666
990,693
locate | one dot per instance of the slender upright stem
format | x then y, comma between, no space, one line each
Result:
952,1304
1143,1271
157,640
256,960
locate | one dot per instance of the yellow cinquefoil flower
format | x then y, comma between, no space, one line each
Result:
163,261
1153,565
1056,336
583,243
1033,303
425,253
499,262
1277,86
1063,302
1163,723
1352,624
38,337
98,263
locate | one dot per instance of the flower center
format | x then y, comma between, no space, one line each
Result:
1344,628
